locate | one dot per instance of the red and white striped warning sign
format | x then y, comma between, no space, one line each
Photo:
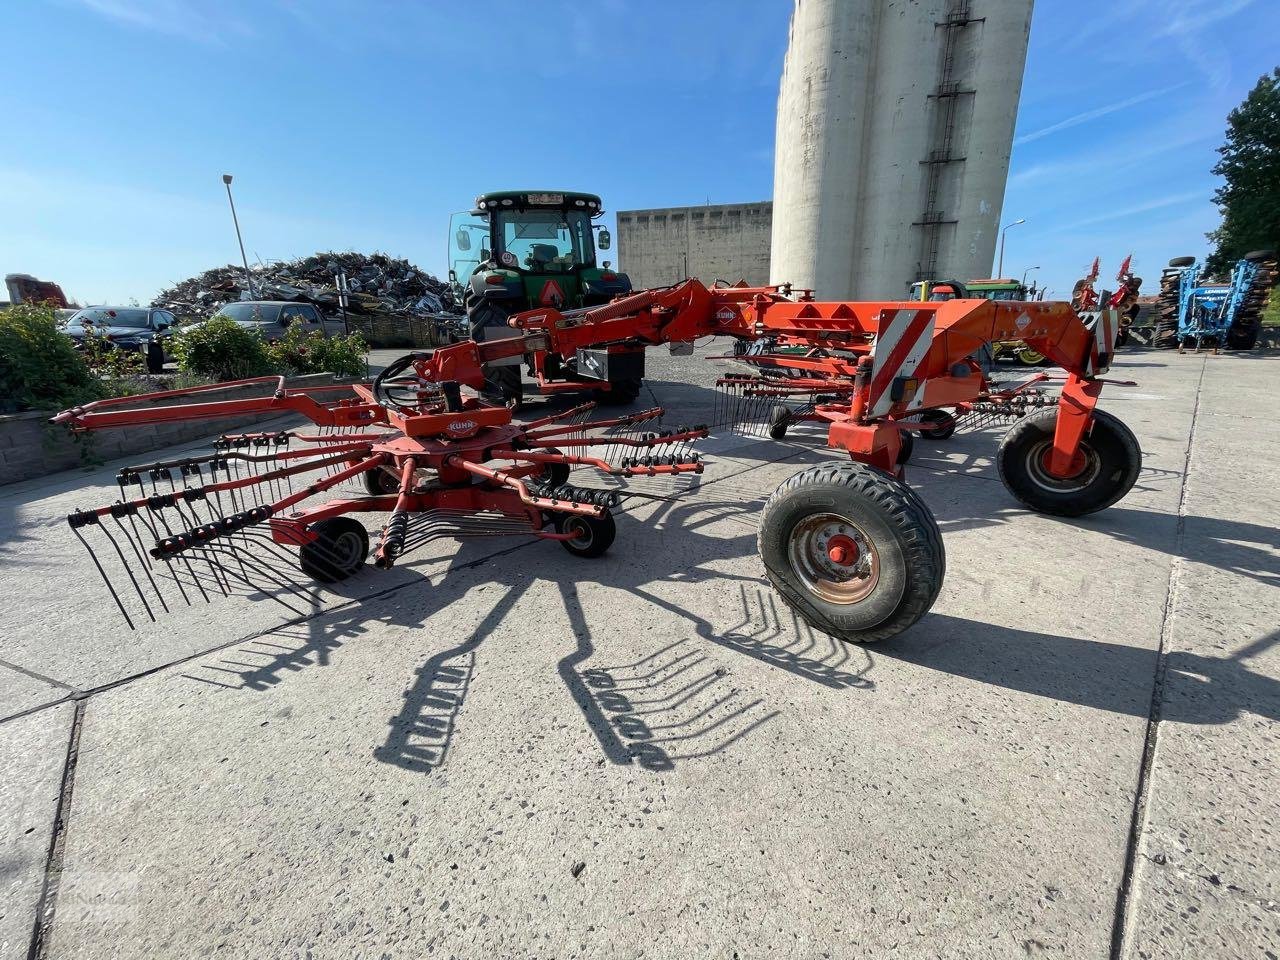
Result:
903,337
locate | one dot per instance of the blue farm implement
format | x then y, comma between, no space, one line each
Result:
1196,311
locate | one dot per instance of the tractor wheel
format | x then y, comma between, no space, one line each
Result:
339,550
906,443
381,482
504,381
779,420
620,394
852,550
1027,357
945,425
1259,256
1180,262
1112,459
592,536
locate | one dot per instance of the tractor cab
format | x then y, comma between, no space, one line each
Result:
525,249
937,291
521,250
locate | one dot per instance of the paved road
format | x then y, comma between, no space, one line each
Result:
499,750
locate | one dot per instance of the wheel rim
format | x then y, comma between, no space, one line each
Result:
834,558
1038,468
345,549
581,530
1029,356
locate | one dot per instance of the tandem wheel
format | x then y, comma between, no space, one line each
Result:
854,551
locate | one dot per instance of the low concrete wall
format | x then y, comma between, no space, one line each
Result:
31,446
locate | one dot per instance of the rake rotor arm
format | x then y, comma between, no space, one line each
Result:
121,412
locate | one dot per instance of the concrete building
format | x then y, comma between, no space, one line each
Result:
895,123
726,241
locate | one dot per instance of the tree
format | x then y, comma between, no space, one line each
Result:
1249,199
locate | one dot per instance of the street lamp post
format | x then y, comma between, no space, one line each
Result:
1000,268
1025,272
226,178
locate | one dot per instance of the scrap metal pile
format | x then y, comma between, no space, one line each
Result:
849,546
378,284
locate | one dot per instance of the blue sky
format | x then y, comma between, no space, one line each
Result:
361,124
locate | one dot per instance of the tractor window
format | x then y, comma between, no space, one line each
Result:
468,244
547,241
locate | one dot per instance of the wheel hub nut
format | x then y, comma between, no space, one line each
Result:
842,550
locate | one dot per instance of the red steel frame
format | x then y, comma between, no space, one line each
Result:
453,443
889,361
898,358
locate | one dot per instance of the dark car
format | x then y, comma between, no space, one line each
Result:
126,328
272,318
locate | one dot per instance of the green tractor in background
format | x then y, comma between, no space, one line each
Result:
994,288
522,249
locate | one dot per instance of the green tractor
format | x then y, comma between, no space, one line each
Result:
520,250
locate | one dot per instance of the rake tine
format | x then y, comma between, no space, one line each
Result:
142,559
105,579
177,580
129,570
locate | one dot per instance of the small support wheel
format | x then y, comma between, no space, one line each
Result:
592,535
944,425
852,550
339,550
619,394
553,474
779,420
1109,464
380,482
906,443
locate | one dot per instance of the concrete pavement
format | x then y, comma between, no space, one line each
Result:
503,750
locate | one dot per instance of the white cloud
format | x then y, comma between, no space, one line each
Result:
1177,199
181,18
1096,113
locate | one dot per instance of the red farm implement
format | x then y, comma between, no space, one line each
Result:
849,545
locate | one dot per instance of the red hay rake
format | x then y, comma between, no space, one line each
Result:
438,464
848,545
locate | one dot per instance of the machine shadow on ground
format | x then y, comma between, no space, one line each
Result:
1091,673
672,704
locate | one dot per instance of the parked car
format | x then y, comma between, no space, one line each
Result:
126,328
273,317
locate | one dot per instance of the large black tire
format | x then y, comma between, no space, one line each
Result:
1259,256
619,394
339,550
1112,462
897,561
593,536
503,381
1182,262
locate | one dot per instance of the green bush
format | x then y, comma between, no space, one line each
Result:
299,352
1271,312
39,366
221,349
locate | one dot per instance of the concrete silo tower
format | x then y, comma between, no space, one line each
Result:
895,122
